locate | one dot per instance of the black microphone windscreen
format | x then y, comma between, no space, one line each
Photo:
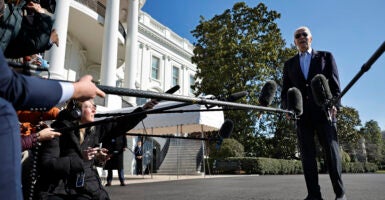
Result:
235,96
173,89
226,128
294,101
321,90
267,93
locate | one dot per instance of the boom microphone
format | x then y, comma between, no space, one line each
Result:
224,132
267,93
294,101
321,90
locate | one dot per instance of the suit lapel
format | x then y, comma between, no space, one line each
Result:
297,68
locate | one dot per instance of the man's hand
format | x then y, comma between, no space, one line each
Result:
54,37
85,89
333,114
90,153
47,134
35,7
99,153
150,104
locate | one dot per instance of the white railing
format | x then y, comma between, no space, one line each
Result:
165,32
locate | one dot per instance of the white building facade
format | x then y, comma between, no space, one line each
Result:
120,46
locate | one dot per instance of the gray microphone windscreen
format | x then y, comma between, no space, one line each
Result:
267,93
294,101
226,128
321,90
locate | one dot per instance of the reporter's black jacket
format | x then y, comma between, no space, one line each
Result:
62,159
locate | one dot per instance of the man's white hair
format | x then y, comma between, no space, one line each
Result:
307,30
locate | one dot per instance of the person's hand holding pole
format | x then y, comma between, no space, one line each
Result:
85,89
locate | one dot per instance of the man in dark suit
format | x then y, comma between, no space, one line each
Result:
28,93
139,157
116,146
298,72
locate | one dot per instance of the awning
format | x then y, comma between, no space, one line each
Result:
181,122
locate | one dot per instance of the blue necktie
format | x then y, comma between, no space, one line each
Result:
304,64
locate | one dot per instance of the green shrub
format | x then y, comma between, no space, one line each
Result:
259,165
229,148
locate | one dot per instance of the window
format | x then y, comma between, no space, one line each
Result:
119,83
175,75
155,68
141,101
192,82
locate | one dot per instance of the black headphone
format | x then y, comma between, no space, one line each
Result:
75,111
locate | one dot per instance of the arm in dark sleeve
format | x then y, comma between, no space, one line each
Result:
26,92
27,141
51,156
333,77
136,151
121,125
124,142
286,84
51,161
34,36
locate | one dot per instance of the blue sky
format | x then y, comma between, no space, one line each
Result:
351,29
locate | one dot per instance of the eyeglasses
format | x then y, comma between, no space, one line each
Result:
298,35
93,106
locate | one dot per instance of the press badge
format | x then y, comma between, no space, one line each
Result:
80,179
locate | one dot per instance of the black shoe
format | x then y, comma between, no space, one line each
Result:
108,184
122,184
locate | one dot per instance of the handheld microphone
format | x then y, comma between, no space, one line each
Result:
267,93
294,101
224,132
322,94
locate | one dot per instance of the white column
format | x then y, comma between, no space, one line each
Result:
183,80
167,73
131,47
110,51
57,54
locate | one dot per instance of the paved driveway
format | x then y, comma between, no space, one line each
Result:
358,187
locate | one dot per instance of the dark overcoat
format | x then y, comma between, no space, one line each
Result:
115,148
62,160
